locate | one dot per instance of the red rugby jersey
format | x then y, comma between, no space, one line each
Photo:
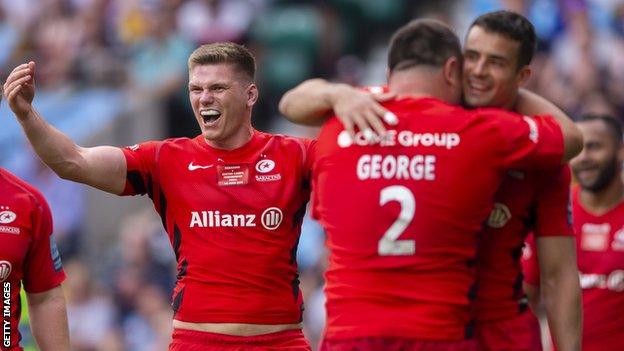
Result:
28,252
533,200
233,219
600,250
401,213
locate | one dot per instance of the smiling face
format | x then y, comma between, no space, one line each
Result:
600,161
491,76
222,99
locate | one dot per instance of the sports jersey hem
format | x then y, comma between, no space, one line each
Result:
248,317
55,284
433,334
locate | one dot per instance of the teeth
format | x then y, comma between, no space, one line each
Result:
209,113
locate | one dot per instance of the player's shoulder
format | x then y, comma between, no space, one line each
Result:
24,192
285,141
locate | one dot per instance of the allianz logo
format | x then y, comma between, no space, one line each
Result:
270,219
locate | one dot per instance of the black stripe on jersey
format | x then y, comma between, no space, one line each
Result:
469,330
298,217
183,268
177,300
150,187
177,241
162,209
135,179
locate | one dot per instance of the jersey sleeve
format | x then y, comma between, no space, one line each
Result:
43,269
530,265
553,206
141,167
529,142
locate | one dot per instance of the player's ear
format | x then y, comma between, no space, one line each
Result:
524,74
252,94
452,71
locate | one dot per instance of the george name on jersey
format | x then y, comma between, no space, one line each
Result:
415,167
202,219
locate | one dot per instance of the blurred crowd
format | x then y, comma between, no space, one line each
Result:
120,301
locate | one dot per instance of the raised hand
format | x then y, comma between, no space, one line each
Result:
19,89
361,109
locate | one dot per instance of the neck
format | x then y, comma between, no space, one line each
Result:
239,139
603,200
419,81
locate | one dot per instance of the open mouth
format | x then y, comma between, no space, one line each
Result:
210,115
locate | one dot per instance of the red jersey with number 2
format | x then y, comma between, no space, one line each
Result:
402,212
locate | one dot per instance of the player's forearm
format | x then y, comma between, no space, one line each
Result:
561,291
530,104
562,299
54,148
48,320
310,102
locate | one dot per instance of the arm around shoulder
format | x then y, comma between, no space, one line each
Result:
531,104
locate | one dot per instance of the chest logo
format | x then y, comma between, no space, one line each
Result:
7,217
618,240
595,237
192,167
265,166
499,216
5,270
272,218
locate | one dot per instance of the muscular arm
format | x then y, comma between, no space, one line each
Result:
560,290
531,104
311,102
48,319
101,167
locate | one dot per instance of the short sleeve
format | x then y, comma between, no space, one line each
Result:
530,265
529,142
553,206
43,269
141,165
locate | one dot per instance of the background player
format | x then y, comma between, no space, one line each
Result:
28,256
232,201
498,50
401,265
598,217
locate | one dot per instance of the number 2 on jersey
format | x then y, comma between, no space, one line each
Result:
389,245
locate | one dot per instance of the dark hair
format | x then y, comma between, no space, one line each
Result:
227,52
614,125
423,42
515,27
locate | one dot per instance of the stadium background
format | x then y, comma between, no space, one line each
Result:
114,72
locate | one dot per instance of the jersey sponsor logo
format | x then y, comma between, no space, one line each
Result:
613,281
533,130
618,240
134,147
416,167
192,167
5,270
595,237
404,138
265,166
499,216
7,216
203,219
55,255
272,218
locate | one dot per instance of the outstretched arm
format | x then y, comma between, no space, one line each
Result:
102,167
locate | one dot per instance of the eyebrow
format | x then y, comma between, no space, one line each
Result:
491,56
